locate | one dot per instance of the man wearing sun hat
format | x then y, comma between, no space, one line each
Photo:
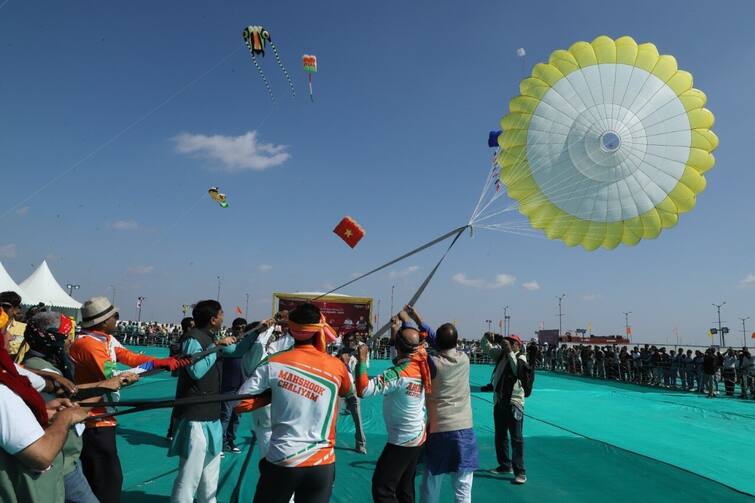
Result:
95,354
508,408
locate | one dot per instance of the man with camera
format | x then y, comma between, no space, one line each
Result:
508,408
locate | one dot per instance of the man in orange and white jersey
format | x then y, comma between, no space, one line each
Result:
403,387
302,385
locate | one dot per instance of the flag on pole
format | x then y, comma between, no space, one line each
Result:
710,334
239,311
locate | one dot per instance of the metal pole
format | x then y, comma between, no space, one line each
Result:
506,321
720,334
744,331
246,311
560,314
140,301
113,288
393,288
218,299
626,324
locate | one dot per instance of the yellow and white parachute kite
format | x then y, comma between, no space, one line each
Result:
607,144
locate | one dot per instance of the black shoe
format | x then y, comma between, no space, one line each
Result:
502,470
487,388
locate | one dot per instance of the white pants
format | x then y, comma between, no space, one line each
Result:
197,474
263,429
461,481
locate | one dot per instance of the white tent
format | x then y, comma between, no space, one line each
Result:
41,286
7,284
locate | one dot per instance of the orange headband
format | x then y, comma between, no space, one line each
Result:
322,332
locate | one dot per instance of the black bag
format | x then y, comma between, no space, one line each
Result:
526,376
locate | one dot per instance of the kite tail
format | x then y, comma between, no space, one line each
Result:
264,79
283,68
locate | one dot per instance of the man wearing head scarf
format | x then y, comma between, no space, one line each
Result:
302,386
94,355
403,387
508,407
451,447
32,434
46,334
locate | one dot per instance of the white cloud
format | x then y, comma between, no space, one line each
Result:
500,281
264,268
8,251
403,273
589,297
124,225
748,280
532,286
22,211
235,153
140,270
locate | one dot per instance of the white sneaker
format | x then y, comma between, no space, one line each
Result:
520,479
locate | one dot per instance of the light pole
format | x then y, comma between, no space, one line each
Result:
71,287
112,287
506,321
246,311
720,333
218,299
744,331
489,322
393,288
139,304
627,328
560,314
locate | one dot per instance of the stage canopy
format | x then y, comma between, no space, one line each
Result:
41,286
8,285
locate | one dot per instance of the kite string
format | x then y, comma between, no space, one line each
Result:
123,131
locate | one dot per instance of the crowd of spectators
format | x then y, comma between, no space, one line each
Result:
703,371
695,370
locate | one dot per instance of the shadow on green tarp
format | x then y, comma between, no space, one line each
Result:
585,441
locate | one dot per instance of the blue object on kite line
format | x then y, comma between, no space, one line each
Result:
493,138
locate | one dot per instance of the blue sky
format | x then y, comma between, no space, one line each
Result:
93,96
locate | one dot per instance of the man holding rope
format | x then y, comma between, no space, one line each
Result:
95,354
198,436
403,386
302,386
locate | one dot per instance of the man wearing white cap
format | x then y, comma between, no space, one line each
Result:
95,354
